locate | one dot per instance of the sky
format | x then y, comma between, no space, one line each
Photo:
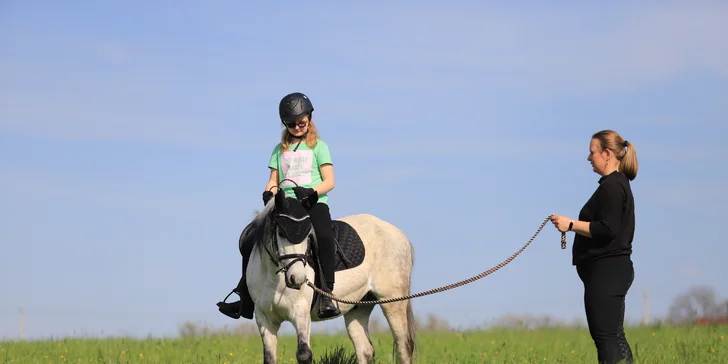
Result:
135,137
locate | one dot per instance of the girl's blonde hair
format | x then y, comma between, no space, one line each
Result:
311,137
622,149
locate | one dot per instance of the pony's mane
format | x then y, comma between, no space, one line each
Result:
258,227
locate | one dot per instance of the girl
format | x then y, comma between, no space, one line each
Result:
303,157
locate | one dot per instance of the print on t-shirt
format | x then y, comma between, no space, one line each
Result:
297,166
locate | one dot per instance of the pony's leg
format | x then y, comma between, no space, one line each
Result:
401,321
302,324
357,325
269,334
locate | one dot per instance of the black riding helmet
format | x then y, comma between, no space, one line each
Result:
294,105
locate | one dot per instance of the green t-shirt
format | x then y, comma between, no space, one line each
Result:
302,166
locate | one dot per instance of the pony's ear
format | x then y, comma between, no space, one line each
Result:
280,199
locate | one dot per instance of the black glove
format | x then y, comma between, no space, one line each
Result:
307,196
267,195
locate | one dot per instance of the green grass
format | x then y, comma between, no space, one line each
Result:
650,345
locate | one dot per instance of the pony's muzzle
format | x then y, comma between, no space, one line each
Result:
295,276
294,282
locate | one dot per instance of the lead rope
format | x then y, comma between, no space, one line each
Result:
443,288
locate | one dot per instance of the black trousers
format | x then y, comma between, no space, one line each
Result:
321,221
322,226
606,283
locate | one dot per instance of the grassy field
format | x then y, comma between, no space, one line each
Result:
650,345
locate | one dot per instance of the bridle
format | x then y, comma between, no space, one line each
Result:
276,257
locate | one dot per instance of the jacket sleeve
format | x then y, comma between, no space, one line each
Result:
608,211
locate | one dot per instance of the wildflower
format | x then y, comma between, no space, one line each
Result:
231,353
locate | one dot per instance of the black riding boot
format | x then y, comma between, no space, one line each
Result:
327,306
244,307
241,308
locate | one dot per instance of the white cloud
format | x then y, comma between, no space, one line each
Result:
113,52
703,195
689,271
552,51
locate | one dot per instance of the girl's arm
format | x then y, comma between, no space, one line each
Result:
272,180
327,175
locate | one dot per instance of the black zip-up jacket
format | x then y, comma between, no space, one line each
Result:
610,210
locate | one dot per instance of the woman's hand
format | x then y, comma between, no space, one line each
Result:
561,222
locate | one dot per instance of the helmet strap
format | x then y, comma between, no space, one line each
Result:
299,142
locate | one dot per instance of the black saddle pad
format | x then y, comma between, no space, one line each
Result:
349,247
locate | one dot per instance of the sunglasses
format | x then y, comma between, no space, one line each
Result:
293,123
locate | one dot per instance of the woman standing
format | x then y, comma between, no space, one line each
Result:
603,243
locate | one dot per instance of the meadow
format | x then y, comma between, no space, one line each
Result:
692,344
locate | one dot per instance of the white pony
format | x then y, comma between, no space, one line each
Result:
375,263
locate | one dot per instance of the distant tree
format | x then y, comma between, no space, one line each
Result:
698,301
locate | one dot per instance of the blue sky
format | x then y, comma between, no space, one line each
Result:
135,139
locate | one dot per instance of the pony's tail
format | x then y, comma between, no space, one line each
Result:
411,331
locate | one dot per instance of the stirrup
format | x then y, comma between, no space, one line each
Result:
235,315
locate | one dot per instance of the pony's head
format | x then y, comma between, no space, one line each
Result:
288,231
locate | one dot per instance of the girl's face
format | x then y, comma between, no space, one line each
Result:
297,127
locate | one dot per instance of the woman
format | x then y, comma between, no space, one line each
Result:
603,243
303,157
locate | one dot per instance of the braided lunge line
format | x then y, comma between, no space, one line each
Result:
448,287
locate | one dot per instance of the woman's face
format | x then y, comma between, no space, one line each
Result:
599,158
297,127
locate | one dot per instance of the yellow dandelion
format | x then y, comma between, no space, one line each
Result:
531,349
492,341
141,355
721,337
573,351
654,334
46,356
231,353
544,358
485,353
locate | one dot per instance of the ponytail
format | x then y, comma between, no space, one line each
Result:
628,164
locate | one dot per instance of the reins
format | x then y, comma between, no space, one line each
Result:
448,287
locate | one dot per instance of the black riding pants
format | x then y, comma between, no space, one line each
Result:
321,220
606,282
322,226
